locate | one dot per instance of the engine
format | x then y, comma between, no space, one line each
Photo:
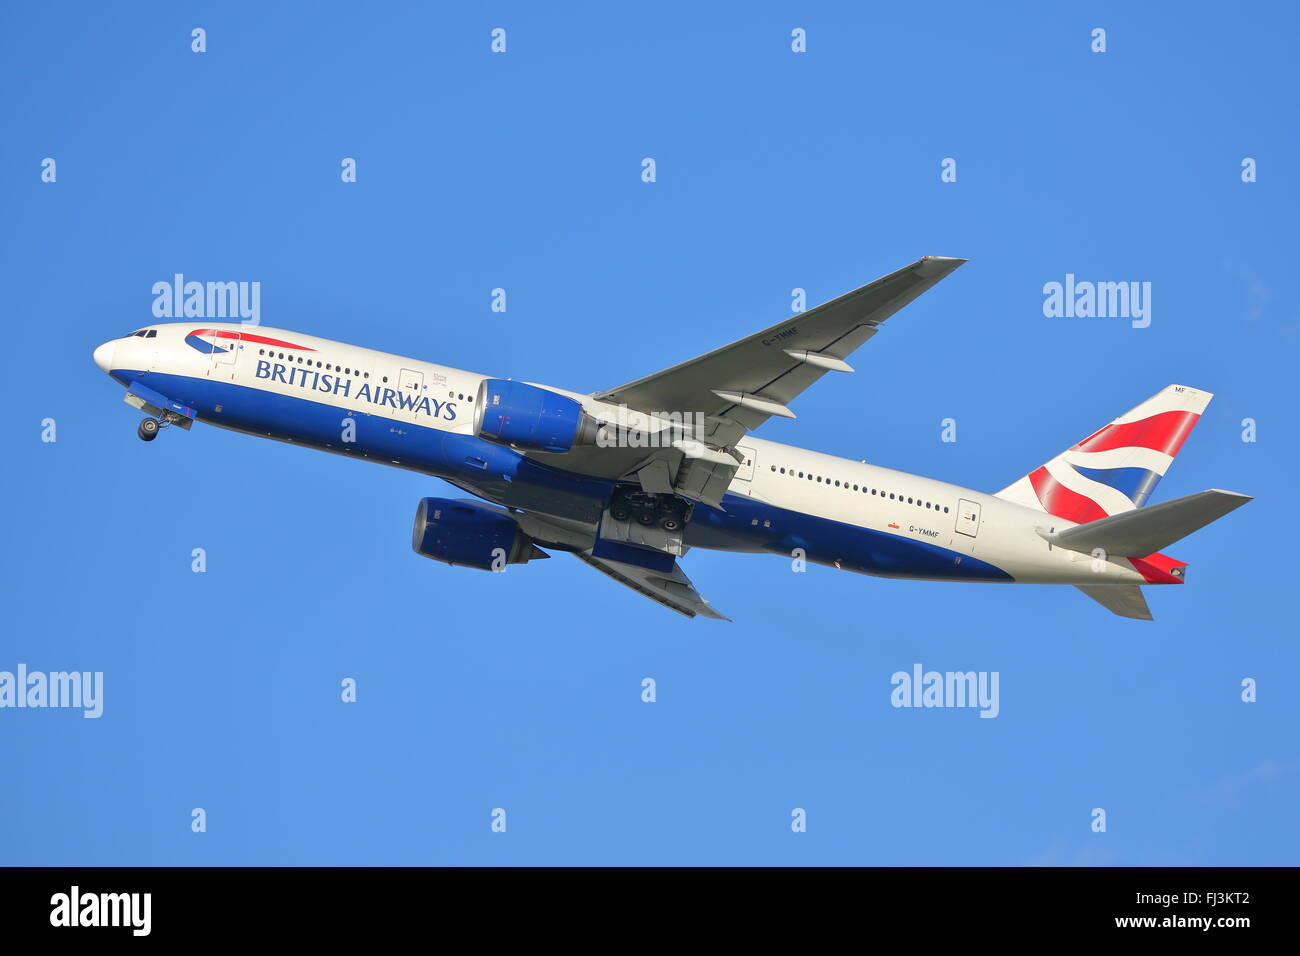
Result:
534,418
468,533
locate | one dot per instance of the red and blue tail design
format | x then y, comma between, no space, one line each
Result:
1116,468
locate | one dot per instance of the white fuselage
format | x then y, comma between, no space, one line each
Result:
306,392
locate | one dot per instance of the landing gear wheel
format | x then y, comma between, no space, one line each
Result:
670,524
619,513
148,429
645,517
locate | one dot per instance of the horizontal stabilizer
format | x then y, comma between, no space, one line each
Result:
1126,600
1144,531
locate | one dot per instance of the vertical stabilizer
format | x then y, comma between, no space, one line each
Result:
1116,468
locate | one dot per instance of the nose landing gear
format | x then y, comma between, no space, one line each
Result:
149,428
162,411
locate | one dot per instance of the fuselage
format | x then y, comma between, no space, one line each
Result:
417,415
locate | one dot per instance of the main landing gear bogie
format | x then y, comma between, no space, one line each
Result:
632,504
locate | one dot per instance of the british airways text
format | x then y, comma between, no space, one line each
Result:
341,385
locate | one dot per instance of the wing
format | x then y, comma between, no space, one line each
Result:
671,588
736,388
652,573
741,385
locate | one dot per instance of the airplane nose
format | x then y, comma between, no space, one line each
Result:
104,355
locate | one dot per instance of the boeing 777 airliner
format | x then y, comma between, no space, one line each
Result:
631,478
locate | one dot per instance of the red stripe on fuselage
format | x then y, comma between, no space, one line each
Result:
1158,568
250,337
1164,432
1061,501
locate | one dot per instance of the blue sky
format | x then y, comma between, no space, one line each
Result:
521,170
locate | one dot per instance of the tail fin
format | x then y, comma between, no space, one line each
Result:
1116,468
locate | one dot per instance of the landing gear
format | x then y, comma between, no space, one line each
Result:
633,504
651,521
149,428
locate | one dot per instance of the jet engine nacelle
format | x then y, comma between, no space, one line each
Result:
535,418
468,533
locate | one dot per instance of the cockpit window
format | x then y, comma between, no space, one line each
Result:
151,334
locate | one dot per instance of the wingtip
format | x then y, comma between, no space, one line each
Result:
1233,494
931,265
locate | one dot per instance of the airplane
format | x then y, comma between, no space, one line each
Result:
629,479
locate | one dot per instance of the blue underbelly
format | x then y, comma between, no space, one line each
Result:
503,474
507,477
759,526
